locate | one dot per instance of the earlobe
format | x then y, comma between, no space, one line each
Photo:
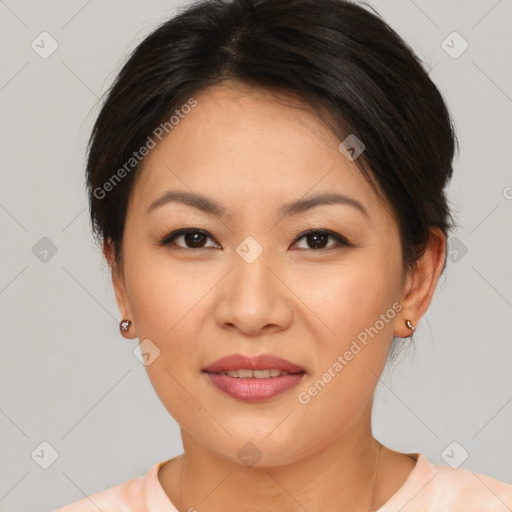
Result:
123,303
422,281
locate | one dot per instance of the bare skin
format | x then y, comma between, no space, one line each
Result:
198,302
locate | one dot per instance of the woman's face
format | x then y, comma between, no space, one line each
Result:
250,282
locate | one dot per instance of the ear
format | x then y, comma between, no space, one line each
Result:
123,302
421,282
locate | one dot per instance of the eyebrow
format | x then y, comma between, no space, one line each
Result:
212,207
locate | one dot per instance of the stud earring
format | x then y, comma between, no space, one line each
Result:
409,324
124,325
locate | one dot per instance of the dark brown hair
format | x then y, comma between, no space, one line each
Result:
335,55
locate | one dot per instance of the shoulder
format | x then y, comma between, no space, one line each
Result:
124,497
435,487
469,490
141,493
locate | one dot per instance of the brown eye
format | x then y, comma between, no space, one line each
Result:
318,239
192,238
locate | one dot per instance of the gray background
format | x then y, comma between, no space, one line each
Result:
68,378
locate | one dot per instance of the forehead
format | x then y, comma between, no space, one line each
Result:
248,148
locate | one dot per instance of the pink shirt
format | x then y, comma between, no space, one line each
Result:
428,488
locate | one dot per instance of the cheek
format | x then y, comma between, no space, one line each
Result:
346,299
351,341
166,303
353,303
165,295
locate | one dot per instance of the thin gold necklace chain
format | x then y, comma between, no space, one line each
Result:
375,477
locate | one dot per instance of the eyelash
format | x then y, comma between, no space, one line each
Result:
342,242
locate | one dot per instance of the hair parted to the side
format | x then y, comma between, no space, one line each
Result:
335,55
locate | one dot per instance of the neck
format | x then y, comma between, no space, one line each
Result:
342,475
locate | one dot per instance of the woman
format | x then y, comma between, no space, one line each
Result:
267,180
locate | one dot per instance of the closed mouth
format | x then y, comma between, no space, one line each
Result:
255,374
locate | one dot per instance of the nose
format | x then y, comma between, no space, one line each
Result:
254,298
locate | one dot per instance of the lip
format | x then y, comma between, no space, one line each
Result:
260,362
253,389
